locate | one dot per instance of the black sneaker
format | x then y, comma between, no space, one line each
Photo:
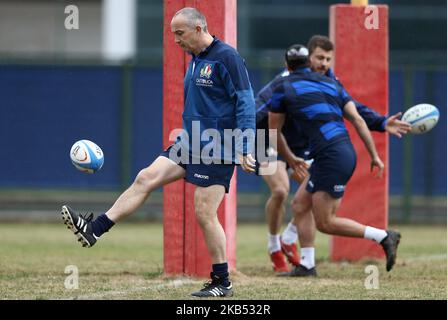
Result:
80,225
214,289
389,245
300,271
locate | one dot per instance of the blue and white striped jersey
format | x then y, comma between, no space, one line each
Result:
316,102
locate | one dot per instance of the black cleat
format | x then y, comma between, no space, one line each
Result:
214,288
80,225
389,245
300,271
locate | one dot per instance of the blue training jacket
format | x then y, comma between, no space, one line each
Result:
291,130
316,102
218,95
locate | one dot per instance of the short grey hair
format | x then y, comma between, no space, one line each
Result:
194,17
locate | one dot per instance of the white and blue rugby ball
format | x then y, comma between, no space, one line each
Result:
422,117
87,156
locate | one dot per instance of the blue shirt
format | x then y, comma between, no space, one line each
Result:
316,102
218,95
291,129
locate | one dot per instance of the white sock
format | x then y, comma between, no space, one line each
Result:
375,234
274,244
308,257
290,234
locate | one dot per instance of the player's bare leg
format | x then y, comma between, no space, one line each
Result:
279,186
206,203
159,173
162,171
325,207
303,217
302,210
306,229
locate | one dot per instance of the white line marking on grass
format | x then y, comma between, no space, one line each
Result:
171,284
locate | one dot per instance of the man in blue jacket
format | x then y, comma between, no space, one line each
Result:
218,133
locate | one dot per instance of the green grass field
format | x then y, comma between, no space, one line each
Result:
128,264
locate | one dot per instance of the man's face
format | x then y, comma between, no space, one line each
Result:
320,60
185,36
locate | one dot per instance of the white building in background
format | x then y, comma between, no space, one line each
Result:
118,29
34,29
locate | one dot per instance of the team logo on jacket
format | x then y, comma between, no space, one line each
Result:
206,71
205,74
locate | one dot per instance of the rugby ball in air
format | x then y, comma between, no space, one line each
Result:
422,117
86,156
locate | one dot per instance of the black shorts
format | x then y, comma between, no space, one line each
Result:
205,175
332,168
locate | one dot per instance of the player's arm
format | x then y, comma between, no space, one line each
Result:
276,118
276,122
350,113
397,127
237,84
375,121
277,115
